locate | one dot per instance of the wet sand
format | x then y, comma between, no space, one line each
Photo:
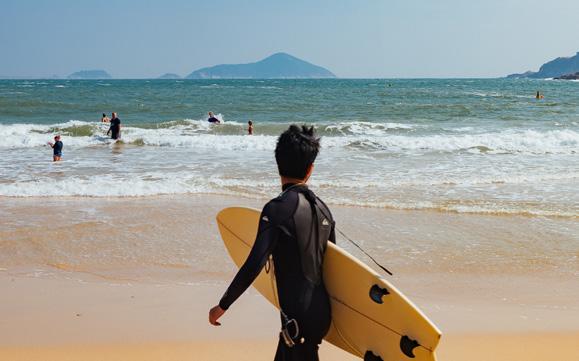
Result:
133,279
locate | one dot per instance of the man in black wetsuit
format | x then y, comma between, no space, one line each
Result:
294,229
115,128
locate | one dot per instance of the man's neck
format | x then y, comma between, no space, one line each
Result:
288,180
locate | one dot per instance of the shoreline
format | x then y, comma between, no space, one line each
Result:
443,209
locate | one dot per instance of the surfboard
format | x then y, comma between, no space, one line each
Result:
370,317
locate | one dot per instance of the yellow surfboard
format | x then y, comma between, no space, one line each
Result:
370,317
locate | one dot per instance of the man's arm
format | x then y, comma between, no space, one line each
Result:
265,242
262,248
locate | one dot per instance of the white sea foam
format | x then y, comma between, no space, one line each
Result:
101,186
500,95
109,186
525,142
355,135
365,128
155,182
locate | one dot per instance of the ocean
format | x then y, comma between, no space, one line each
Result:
465,146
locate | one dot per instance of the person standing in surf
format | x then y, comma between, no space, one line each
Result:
56,149
294,229
115,128
250,127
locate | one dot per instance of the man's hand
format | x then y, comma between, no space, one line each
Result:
214,314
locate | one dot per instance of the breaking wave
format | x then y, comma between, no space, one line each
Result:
371,137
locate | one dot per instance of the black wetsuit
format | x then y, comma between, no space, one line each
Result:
115,128
213,120
294,228
57,149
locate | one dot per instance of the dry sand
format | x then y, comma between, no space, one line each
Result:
61,320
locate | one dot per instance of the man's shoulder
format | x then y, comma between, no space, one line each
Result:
282,207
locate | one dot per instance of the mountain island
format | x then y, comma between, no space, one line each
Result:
90,74
563,68
276,66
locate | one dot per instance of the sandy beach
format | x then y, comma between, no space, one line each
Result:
60,320
133,279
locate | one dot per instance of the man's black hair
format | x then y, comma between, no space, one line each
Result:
297,149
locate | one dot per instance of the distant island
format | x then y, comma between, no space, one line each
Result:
169,76
90,74
558,68
276,66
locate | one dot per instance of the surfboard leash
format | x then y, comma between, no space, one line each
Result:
354,243
361,249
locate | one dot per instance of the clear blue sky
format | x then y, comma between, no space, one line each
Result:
353,38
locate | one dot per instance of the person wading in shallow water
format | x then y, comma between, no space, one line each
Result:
115,128
250,127
294,229
56,149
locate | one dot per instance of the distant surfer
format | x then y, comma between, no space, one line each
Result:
294,228
250,127
213,119
105,119
539,95
115,128
56,148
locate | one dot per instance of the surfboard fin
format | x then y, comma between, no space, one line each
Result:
369,356
377,292
407,345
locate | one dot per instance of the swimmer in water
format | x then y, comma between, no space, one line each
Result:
105,119
250,127
213,119
539,95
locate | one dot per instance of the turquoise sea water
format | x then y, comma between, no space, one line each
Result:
474,146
